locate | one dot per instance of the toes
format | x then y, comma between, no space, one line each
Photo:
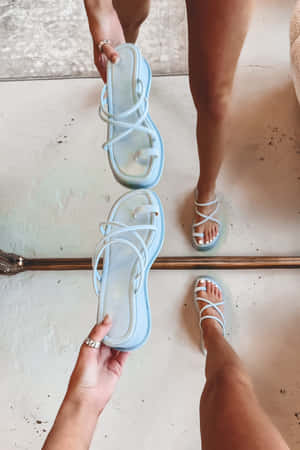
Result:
214,232
207,286
200,240
207,237
218,293
201,283
215,291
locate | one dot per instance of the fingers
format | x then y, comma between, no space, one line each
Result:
110,53
101,57
121,357
101,329
116,363
100,62
97,334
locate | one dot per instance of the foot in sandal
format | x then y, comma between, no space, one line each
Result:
206,228
209,302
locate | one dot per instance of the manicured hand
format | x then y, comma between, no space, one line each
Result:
96,372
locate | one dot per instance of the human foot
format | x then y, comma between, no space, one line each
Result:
206,226
210,305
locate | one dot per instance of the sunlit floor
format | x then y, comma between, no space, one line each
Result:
56,186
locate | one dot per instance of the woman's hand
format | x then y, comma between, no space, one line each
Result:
104,24
96,372
91,385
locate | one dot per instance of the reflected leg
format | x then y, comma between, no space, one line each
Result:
216,30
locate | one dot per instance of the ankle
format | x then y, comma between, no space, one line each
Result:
211,330
205,194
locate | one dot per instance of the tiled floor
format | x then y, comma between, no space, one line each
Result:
56,186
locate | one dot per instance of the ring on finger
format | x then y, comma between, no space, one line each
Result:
102,43
91,343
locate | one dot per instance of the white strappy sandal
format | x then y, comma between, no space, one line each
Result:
205,218
209,304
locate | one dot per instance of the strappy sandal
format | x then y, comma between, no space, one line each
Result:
134,145
209,304
132,238
205,218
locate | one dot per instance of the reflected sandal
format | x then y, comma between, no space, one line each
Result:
206,218
134,145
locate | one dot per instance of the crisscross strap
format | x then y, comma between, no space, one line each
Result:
206,217
209,304
111,238
129,126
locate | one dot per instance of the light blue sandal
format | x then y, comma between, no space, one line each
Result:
205,218
209,304
134,145
132,238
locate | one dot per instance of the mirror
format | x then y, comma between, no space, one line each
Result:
52,137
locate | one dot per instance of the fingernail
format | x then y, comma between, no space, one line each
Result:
116,59
106,320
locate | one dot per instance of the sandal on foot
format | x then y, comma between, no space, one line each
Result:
205,218
132,238
209,304
134,145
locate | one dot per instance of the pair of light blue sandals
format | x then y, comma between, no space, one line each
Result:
134,232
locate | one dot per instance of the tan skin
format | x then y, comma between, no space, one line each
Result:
231,417
217,30
91,385
230,414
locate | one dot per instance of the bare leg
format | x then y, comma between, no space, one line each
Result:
132,14
230,415
217,30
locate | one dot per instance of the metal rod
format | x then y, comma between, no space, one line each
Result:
11,264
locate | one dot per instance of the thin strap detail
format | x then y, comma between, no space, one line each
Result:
129,126
111,238
209,304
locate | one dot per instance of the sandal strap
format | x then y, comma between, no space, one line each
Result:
206,217
115,119
97,277
212,202
214,318
209,304
111,238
